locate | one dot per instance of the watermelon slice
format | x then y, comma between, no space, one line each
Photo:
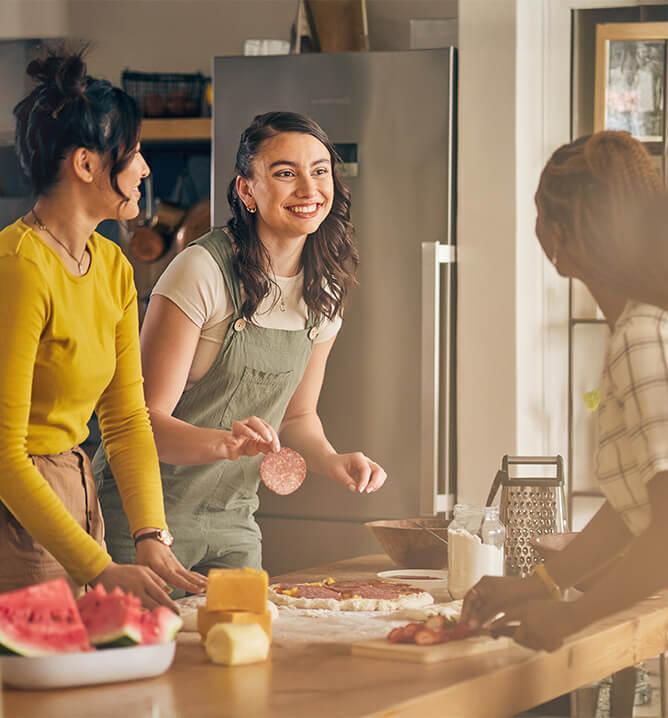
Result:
111,619
159,626
41,620
117,619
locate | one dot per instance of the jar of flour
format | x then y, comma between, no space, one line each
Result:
475,547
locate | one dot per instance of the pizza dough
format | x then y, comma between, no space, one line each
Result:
283,472
451,610
349,595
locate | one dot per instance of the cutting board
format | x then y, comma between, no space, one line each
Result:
429,654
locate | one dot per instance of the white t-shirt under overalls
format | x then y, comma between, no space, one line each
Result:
195,284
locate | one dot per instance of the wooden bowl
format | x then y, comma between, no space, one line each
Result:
410,546
548,545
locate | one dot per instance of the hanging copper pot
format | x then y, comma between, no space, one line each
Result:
197,222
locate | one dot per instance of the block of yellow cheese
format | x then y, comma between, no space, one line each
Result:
237,589
206,620
232,645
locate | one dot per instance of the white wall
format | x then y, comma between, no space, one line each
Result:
389,27
486,305
172,35
32,18
513,308
183,35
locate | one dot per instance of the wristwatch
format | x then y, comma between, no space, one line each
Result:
161,535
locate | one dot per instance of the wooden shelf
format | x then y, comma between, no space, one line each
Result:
186,129
587,320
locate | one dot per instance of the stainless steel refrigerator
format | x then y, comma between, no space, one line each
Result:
389,390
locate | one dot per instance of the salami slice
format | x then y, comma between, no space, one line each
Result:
283,472
425,634
377,589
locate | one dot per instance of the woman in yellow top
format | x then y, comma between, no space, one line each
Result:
70,346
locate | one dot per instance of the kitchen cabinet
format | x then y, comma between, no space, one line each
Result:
325,680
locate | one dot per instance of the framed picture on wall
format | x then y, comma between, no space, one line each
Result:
631,80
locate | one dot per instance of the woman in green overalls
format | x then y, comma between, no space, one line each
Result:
240,325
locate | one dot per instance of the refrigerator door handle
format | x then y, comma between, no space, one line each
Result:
432,500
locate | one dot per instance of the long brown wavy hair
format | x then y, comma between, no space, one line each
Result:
605,195
329,258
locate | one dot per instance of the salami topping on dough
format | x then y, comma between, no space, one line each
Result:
349,595
283,472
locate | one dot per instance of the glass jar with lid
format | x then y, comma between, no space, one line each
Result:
476,538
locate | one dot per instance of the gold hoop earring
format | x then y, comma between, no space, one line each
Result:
252,210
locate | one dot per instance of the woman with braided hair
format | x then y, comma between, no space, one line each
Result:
70,345
602,217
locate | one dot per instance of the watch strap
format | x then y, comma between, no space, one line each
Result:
157,534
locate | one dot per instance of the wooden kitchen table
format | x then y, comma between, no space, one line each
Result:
325,681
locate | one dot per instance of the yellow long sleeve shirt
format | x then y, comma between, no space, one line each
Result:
69,345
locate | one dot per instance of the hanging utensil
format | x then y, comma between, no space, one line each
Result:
500,475
146,243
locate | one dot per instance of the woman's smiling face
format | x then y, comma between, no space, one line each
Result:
291,186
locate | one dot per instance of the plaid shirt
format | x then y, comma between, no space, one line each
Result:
633,413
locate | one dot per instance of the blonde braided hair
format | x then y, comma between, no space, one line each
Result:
607,199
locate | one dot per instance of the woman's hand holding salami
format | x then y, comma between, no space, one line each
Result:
356,471
247,438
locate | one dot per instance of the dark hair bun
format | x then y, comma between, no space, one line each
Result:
68,109
63,71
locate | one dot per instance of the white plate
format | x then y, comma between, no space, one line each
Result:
428,579
85,669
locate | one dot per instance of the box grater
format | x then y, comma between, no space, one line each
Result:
530,506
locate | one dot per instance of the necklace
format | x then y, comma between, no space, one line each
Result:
44,228
281,304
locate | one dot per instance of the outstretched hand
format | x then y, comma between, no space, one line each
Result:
161,559
356,471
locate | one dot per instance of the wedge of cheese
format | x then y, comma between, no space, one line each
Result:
237,589
237,644
206,620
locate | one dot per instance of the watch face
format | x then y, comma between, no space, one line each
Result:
166,537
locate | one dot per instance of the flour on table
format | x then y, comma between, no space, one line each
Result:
300,626
452,610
